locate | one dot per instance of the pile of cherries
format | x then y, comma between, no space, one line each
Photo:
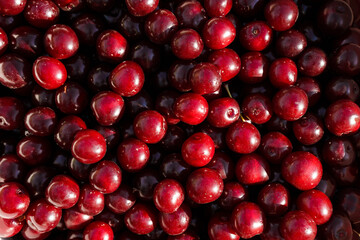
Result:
179,119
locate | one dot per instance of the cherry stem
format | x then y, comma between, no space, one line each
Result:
356,233
226,86
242,117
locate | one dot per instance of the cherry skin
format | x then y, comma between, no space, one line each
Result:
133,154
12,7
191,14
177,222
223,112
191,108
107,107
164,104
217,8
272,231
41,14
227,61
75,220
298,225
338,227
10,227
283,73
312,62
345,61
42,216
316,204
309,129
348,200
11,168
204,185
60,41
140,8
140,219
281,15
88,146
248,220
150,126
187,44
105,177
198,150
342,88
338,152
243,137
91,201
291,43
168,196
174,167
121,200
3,41
34,150
49,72
15,71
147,55
342,117
63,192
28,233
290,103
98,230
40,121
14,200
160,26
178,75
311,88
88,27
66,129
255,36
127,79
252,169
233,194
68,5
275,146
205,78
302,170
111,46
222,28
274,199
254,67
11,113
257,107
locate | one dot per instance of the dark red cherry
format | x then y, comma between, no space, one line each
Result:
227,61
115,221
140,219
133,154
43,97
71,98
257,107
312,62
255,36
272,231
75,220
168,196
233,194
204,185
121,200
111,46
218,33
346,60
12,7
38,179
78,67
254,67
150,126
252,169
198,149
298,225
275,146
66,129
68,5
338,227
342,88
223,164
217,8
40,121
28,233
223,112
131,27
11,113
88,146
205,78
309,129
91,201
3,41
10,227
342,117
98,230
243,137
274,199
41,13
311,88
164,104
147,55
105,177
34,150
283,73
107,107
291,43
160,26
14,200
88,27
140,8
15,71
191,108
49,72
248,220
338,151
187,44
302,170
173,166
145,182
62,192
97,78
191,14
281,14
11,168
111,135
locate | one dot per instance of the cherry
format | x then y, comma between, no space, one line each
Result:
291,43
140,8
37,180
255,36
187,235
91,201
217,8
187,44
248,220
147,55
168,196
121,200
178,75
43,97
11,113
272,231
190,14
145,182
88,146
140,219
111,46
75,220
302,170
177,222
150,126
115,221
348,200
160,26
28,233
107,107
345,61
3,41
133,154
223,164
311,88
205,78
243,137
10,227
227,61
88,28
274,199
342,88
15,71
105,177
298,225
98,230
40,121
222,28
327,184
338,151
101,6
309,129
283,72
12,7
223,112
164,105
14,200
174,167
198,150
345,176
41,14
63,192
257,107
34,150
60,41
233,194
68,5
275,146
252,169
191,108
338,227
78,67
66,129
42,216
281,14
204,185
312,62
254,67
49,72
11,168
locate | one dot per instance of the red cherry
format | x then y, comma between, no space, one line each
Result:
139,8
227,61
243,137
62,192
281,14
177,222
257,107
107,107
274,199
49,72
121,200
10,227
168,196
91,201
105,177
205,78
12,7
255,36
283,72
252,169
254,67
191,108
223,112
275,146
150,126
218,33
111,46
198,150
160,26
298,225
140,219
98,230
187,44
217,8
14,200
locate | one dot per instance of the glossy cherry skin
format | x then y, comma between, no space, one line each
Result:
88,27
88,146
42,216
138,103
205,78
15,71
223,112
43,97
147,55
338,227
11,168
66,129
312,62
160,26
34,150
191,14
342,117
105,177
10,227
291,43
198,150
49,72
174,167
275,146
217,8
274,199
75,220
145,182
133,154
281,15
40,121
348,201
68,5
140,219
311,88
255,36
316,204
91,201
127,79
140,8
121,200
164,105
346,61
227,61
62,192
243,137
254,67
298,225
191,108
41,14
71,98
252,169
342,88
302,170
204,185
233,194
290,103
98,230
168,196
248,220
178,75
338,152
14,200
3,41
187,44
218,33
11,113
97,78
150,126
219,227
111,46
37,180
28,233
107,107
132,27
177,222
12,7
283,73
309,129
257,107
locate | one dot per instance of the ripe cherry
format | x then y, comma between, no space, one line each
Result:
62,192
150,126
298,224
105,177
218,33
198,150
252,169
14,200
255,36
187,44
243,137
49,72
223,112
191,108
